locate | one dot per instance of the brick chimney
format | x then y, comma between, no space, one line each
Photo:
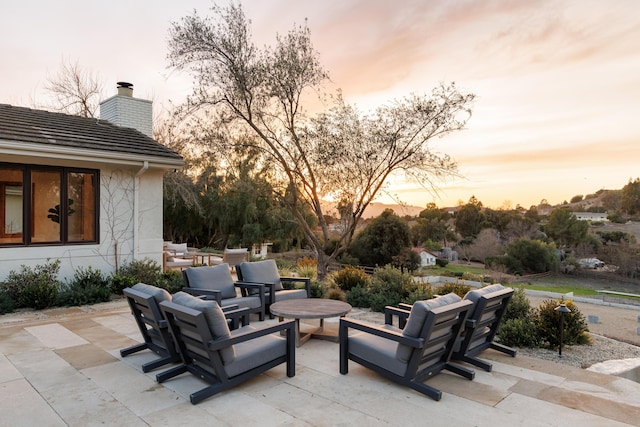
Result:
126,111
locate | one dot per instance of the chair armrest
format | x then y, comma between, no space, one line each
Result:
305,280
381,332
402,314
207,293
235,314
221,343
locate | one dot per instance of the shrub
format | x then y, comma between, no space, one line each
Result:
36,288
145,271
118,282
441,262
172,281
519,307
518,332
336,293
307,267
421,292
389,286
7,304
316,288
459,289
88,286
350,277
547,321
359,296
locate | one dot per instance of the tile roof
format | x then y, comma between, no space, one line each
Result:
20,124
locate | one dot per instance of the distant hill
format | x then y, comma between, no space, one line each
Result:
375,209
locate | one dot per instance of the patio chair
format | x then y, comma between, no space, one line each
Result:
490,304
233,257
143,300
414,354
216,283
277,288
223,358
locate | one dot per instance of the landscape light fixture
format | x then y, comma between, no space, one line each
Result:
562,308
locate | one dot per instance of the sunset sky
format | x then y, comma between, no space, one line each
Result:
557,82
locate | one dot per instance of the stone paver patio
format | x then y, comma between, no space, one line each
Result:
62,367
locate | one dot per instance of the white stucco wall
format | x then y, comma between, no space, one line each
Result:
120,199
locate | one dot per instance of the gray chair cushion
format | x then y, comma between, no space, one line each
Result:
475,295
217,277
416,320
377,350
255,352
290,294
243,302
158,294
261,272
215,319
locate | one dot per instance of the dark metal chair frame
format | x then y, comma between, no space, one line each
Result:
271,294
450,317
153,328
197,347
155,331
481,328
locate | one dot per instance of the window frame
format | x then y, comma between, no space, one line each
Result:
27,204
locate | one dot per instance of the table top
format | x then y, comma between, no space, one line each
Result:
310,308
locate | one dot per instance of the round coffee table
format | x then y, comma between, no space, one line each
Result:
310,308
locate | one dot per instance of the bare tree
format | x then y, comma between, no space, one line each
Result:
76,90
341,153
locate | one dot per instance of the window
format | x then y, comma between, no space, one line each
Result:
40,205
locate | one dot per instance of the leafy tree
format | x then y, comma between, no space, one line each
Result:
432,225
339,153
565,229
630,200
577,198
531,256
382,239
469,218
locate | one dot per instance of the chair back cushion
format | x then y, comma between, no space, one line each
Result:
475,295
261,272
417,317
215,320
158,294
177,249
217,277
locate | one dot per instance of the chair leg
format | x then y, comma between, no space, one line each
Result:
173,372
133,349
150,366
477,362
460,370
344,350
206,392
504,349
427,390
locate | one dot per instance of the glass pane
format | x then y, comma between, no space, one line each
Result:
11,203
81,207
45,209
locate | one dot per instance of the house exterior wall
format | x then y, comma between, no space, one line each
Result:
124,192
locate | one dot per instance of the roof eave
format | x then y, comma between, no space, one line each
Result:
80,154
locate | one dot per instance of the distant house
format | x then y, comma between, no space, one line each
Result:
591,216
427,258
85,191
